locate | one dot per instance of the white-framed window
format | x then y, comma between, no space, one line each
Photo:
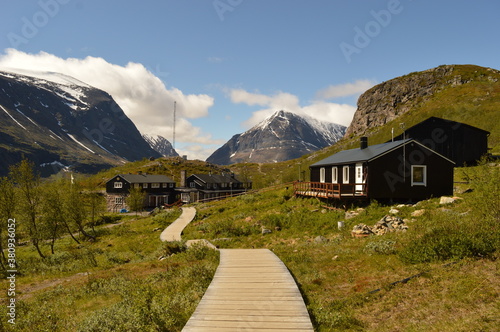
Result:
118,185
155,185
335,175
345,174
192,185
171,185
322,173
419,175
137,186
144,185
164,185
119,200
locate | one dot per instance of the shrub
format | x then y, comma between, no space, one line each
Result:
170,248
166,217
383,247
451,242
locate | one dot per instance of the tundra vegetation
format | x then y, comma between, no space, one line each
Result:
116,275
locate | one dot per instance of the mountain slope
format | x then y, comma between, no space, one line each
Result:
161,145
465,93
283,136
57,121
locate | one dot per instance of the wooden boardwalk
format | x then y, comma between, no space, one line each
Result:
174,231
252,290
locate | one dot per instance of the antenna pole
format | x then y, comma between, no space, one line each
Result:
173,140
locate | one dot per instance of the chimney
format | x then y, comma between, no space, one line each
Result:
183,178
363,142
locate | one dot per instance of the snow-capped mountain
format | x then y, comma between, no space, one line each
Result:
282,136
57,122
161,145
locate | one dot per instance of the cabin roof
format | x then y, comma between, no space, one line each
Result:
369,153
216,178
144,178
435,119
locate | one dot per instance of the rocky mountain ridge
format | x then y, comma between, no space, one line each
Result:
161,145
282,136
59,122
389,100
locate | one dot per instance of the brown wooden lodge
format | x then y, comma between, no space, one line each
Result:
162,191
403,170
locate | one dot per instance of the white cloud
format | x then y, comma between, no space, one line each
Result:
345,90
321,110
143,96
215,59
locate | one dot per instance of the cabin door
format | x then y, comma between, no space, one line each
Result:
359,177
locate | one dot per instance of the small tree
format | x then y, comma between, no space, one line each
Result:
97,206
7,209
135,199
30,199
53,211
76,210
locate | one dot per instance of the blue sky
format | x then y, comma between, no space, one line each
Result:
230,63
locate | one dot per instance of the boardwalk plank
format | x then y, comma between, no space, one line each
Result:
252,290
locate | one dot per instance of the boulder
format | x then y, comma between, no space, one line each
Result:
448,200
418,213
266,231
320,239
351,214
361,230
389,224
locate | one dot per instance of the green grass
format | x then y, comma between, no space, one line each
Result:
336,276
118,283
115,284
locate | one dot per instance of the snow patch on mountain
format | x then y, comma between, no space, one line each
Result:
161,145
282,136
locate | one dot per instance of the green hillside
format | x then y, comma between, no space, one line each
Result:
439,275
476,103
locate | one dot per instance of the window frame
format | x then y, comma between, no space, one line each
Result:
335,174
118,185
345,174
322,175
424,176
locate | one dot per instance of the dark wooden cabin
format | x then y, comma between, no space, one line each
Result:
159,189
404,170
459,142
212,187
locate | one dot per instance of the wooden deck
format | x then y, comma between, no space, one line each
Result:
252,290
330,190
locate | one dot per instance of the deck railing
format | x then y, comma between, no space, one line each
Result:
330,190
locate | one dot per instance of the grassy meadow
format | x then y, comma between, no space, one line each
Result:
127,280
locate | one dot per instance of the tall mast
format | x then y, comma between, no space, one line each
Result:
173,140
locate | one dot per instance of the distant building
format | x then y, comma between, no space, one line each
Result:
460,142
404,170
159,189
199,187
